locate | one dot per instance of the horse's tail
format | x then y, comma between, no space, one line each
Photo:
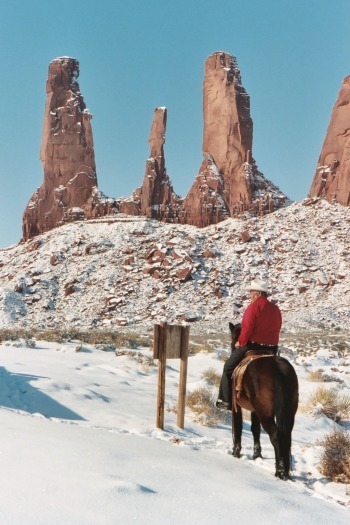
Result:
285,399
286,403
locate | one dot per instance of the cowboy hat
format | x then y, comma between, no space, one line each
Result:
258,286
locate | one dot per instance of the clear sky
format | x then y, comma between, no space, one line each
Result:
136,55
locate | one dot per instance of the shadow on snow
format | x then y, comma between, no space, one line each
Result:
17,393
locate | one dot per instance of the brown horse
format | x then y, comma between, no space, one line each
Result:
270,393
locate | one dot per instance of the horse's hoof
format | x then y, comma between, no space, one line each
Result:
282,475
236,453
257,453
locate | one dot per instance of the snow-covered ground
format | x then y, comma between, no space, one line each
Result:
78,443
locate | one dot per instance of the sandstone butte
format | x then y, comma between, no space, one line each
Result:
332,178
227,185
228,182
69,189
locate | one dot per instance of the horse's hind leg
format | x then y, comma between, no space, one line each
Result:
270,427
285,439
237,423
255,428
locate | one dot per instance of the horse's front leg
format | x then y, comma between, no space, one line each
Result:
256,429
237,424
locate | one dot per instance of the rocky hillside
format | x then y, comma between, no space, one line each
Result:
131,272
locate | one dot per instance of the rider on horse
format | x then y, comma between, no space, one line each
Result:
261,325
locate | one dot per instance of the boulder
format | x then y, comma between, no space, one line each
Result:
244,236
185,274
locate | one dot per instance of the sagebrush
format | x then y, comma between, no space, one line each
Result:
202,402
335,459
93,337
212,376
330,403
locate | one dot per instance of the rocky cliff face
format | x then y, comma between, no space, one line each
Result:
235,184
67,155
332,177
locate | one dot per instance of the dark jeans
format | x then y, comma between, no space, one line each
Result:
225,389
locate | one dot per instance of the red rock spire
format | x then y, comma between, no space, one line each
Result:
332,178
157,198
67,153
228,182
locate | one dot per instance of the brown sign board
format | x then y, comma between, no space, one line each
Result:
173,345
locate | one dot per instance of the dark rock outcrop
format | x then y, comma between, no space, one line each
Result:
332,178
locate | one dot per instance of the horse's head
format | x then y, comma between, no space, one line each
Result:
235,330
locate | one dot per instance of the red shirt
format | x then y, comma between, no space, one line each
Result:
261,323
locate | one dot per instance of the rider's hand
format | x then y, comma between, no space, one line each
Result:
237,345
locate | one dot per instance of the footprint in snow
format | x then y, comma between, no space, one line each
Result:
128,487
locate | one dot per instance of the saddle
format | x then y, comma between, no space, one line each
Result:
238,373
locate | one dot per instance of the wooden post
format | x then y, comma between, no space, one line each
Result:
171,341
185,331
161,350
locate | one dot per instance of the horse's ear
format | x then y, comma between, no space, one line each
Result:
235,329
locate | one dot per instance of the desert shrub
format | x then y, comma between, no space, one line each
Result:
202,402
330,403
195,348
146,361
342,348
335,459
92,337
316,375
212,376
105,347
10,335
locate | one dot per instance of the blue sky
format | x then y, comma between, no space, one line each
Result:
136,55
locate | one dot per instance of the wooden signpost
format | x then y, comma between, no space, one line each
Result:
171,342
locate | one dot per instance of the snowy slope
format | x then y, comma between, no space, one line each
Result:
79,445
